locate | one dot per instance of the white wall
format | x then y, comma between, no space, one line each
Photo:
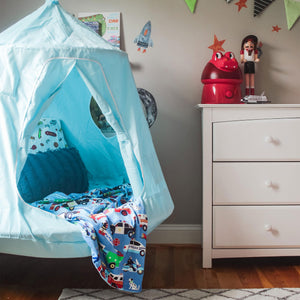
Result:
172,69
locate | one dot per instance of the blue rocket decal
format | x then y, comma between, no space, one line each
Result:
143,40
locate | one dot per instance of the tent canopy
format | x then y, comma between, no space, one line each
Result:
51,65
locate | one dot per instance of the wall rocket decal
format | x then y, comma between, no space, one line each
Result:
143,40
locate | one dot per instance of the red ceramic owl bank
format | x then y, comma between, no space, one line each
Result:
222,80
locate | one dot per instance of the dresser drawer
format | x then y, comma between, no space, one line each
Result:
256,226
257,140
256,183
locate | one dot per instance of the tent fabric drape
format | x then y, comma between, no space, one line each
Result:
51,65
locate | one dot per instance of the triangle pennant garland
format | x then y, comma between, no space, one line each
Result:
260,5
292,10
191,4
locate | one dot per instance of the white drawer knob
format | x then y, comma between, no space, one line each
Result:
268,227
268,139
268,183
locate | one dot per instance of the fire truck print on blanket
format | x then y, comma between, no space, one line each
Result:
113,226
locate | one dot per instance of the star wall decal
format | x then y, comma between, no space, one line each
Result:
276,28
241,4
217,45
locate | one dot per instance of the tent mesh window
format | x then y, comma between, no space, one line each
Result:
100,120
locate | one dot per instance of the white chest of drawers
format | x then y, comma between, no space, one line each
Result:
250,180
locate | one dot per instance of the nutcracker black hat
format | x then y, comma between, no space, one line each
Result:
252,38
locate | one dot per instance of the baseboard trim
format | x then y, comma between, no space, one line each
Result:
176,234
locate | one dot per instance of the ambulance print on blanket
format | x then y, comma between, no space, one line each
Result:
113,226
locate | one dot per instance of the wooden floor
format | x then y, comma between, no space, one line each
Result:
23,278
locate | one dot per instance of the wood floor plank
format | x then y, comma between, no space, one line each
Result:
263,279
167,266
249,277
184,266
206,279
228,278
162,275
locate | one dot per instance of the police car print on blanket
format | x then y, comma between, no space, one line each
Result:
113,225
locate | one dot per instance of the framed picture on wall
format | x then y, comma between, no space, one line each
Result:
107,24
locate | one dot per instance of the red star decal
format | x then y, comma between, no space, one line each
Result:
241,4
217,45
276,28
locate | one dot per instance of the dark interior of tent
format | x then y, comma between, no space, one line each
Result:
79,127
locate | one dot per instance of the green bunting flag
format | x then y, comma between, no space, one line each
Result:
191,4
292,10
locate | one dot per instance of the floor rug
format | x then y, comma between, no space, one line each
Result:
181,294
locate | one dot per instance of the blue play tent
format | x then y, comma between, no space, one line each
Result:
50,67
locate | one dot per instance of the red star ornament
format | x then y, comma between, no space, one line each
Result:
217,45
276,28
241,4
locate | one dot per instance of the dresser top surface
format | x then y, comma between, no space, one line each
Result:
247,106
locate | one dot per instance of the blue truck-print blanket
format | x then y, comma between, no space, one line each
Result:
113,225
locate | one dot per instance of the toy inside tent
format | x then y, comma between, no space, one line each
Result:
53,65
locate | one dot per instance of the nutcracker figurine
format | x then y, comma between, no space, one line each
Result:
249,56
